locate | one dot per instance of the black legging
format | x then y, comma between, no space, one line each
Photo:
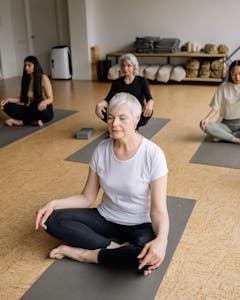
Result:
86,228
28,114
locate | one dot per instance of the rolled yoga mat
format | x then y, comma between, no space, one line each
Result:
12,134
221,154
84,154
71,280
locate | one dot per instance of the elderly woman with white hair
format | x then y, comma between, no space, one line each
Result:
131,83
130,226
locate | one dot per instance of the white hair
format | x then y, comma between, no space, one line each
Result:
131,59
126,98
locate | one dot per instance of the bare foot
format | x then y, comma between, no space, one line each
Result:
147,272
236,140
114,245
216,140
11,122
79,254
40,123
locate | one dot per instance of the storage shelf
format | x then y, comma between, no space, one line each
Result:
169,55
200,79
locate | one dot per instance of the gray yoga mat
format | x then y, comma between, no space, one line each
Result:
68,279
222,154
84,154
12,134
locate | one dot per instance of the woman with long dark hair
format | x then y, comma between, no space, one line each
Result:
34,106
226,102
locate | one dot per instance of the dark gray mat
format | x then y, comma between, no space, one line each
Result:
12,134
222,154
84,154
67,279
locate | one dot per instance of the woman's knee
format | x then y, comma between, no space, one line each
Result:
54,220
47,115
143,120
9,108
210,128
141,239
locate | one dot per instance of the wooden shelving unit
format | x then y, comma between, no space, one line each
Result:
169,55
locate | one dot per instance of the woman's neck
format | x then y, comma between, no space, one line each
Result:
126,147
129,78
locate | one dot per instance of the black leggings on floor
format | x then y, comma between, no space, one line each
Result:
86,228
28,114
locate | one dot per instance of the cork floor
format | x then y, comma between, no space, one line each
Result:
206,264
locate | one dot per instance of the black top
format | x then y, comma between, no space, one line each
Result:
138,88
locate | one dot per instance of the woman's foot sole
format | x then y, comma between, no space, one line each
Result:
236,140
12,122
216,140
79,254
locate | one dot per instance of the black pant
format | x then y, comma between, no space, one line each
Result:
28,114
86,228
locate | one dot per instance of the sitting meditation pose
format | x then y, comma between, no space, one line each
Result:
226,101
130,83
129,228
34,106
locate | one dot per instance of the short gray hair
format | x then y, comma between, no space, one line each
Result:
126,98
131,59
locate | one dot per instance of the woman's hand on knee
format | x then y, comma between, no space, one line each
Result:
148,109
101,108
42,216
3,102
42,105
203,123
152,255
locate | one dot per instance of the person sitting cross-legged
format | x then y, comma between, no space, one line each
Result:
130,226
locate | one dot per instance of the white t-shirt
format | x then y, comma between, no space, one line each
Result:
126,183
227,101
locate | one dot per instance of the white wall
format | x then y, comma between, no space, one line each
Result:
114,24
62,22
7,45
19,33
14,43
79,39
119,22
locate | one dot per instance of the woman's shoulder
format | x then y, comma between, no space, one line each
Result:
104,144
225,85
153,154
119,79
151,146
140,78
102,148
45,78
228,88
